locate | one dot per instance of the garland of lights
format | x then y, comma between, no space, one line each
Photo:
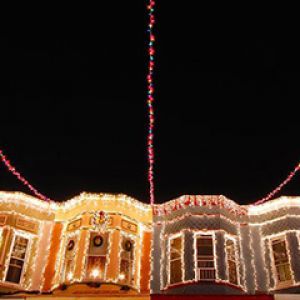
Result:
150,145
12,169
279,187
150,98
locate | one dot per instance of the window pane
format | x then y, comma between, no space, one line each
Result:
231,261
205,246
96,267
205,264
126,275
13,274
175,260
281,260
175,271
175,245
280,254
19,248
232,272
16,262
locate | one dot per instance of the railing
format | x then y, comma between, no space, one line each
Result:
206,274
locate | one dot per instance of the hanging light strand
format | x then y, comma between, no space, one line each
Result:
12,170
279,187
150,99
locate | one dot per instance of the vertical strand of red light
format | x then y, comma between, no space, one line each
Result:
150,99
12,169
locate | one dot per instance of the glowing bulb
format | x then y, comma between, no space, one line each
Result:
95,273
70,276
122,276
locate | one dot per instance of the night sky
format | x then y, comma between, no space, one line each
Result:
73,114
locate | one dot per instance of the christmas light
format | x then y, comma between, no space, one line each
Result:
95,273
150,99
70,276
12,169
279,187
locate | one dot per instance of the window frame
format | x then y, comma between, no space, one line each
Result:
236,258
24,235
280,284
197,234
107,255
63,276
181,259
133,262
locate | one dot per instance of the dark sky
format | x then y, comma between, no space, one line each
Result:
73,114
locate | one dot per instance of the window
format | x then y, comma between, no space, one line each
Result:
69,261
96,257
231,261
17,259
175,260
281,260
126,275
205,258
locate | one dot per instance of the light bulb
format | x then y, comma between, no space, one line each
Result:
95,273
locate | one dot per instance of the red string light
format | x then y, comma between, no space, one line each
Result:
150,99
12,169
150,140
279,187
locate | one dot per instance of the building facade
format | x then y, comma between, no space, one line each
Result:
200,241
90,245
115,246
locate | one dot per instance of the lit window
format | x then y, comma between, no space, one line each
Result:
231,261
96,257
281,260
17,259
126,275
69,259
175,260
205,258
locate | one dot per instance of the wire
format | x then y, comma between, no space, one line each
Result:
13,170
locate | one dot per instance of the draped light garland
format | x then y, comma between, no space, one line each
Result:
279,187
150,98
13,170
150,139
